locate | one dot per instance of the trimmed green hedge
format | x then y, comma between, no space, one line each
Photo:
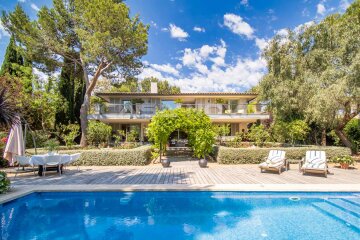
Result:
111,157
226,155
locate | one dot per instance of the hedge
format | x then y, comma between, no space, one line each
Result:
110,157
227,155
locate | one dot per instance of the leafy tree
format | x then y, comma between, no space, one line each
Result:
72,88
221,131
16,65
164,86
107,40
308,66
68,133
352,130
98,132
291,132
258,134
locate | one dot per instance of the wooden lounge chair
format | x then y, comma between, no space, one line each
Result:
314,162
275,161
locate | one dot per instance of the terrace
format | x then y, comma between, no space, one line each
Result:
189,174
147,111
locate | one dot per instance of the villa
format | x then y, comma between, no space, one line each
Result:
134,110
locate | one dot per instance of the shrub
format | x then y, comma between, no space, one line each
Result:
40,138
98,132
4,182
258,134
68,133
228,155
110,157
352,130
52,145
294,131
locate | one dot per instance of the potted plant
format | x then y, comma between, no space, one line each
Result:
52,146
344,161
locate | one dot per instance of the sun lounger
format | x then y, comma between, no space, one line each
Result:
314,162
274,162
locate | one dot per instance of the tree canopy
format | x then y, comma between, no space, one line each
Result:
104,39
313,73
164,86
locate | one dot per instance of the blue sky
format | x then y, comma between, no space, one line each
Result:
208,45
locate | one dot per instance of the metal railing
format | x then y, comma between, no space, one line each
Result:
210,109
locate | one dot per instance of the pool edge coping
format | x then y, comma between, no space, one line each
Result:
23,190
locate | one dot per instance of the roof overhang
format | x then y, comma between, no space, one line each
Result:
131,95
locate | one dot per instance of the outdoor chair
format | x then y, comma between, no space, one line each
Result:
53,161
274,162
67,160
314,162
23,162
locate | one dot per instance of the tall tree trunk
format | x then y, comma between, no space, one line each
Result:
343,138
83,119
323,137
84,108
86,104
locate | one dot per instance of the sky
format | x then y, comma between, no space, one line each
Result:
208,45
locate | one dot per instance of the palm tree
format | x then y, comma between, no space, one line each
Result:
8,116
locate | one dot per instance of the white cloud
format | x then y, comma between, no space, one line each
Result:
303,26
238,26
320,9
33,6
165,68
22,1
3,32
261,43
199,29
177,32
208,71
284,32
344,4
244,2
195,58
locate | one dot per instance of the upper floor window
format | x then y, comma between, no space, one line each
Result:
167,104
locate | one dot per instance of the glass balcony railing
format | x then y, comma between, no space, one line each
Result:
210,109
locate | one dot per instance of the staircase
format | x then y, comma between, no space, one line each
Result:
346,210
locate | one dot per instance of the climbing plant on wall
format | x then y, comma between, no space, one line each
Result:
196,124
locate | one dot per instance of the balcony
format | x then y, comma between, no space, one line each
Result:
146,111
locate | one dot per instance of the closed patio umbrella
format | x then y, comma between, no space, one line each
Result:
15,144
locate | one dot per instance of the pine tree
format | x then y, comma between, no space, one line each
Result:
71,87
16,65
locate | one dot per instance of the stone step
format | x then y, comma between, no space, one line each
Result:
334,212
346,206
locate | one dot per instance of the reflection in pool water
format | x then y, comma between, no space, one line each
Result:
182,215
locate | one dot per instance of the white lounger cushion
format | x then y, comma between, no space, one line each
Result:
274,160
315,160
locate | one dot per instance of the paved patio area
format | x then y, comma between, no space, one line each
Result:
184,173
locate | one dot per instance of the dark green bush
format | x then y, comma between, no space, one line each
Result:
110,157
228,155
4,182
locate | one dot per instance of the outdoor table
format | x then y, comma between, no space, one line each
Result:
40,160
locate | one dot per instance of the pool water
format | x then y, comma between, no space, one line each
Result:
182,215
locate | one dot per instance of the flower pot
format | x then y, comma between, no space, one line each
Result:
203,163
344,165
165,163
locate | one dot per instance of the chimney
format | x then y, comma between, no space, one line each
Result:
153,87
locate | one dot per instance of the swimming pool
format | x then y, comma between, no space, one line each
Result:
182,215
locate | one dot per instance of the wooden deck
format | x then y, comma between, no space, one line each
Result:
185,173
